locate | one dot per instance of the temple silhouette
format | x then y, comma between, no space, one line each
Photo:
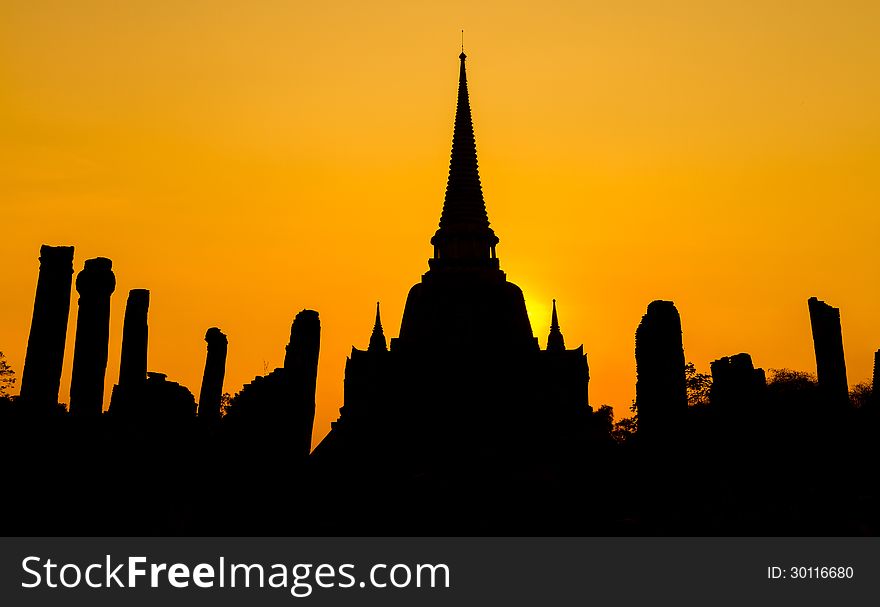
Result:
466,375
461,425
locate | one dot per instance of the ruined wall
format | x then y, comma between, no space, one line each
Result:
736,383
95,284
661,392
41,377
215,372
828,345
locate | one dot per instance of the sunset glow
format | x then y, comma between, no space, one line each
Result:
244,161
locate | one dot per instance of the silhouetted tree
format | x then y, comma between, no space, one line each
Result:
225,403
861,394
793,395
796,380
604,415
698,385
626,428
7,377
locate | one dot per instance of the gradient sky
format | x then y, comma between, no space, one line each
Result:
246,160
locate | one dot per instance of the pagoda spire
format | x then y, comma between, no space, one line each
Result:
464,236
555,342
377,339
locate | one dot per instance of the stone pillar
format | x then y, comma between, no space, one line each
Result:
212,380
95,284
301,366
133,362
661,391
828,345
41,376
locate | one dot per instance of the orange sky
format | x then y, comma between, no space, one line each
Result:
245,160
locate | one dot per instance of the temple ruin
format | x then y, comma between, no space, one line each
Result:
466,374
276,412
736,384
212,380
661,391
41,376
828,345
95,284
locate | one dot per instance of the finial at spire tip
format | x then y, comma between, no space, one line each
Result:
377,339
555,341
462,56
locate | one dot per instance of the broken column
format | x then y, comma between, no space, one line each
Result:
828,345
212,380
301,367
41,376
661,392
736,383
95,284
133,362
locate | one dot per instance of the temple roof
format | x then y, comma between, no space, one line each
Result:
464,224
377,339
555,342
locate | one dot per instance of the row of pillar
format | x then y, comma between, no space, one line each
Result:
661,390
41,377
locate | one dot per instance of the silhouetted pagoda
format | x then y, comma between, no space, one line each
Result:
466,379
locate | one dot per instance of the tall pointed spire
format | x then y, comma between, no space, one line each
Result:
555,342
377,339
464,236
